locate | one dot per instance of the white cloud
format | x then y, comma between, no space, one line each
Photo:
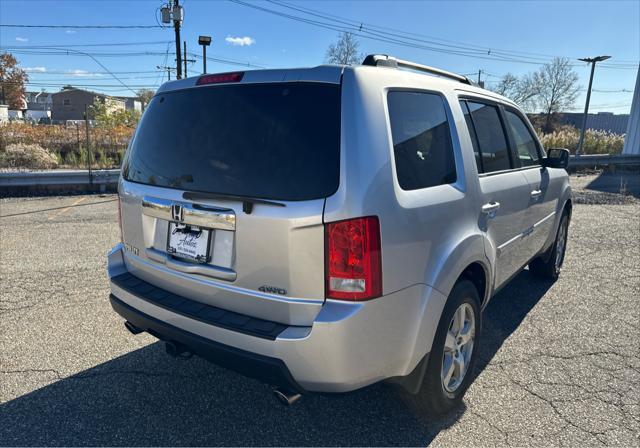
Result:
82,73
22,39
38,69
70,32
240,41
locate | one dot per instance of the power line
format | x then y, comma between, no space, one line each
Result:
404,39
114,44
84,73
101,27
404,33
104,67
81,77
64,51
226,61
63,84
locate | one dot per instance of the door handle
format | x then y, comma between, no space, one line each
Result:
491,209
535,194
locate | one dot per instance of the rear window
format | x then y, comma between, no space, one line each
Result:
272,141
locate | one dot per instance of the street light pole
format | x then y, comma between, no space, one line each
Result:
205,41
593,62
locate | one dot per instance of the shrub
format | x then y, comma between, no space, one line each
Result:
21,155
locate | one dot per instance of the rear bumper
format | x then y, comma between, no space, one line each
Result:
348,346
270,370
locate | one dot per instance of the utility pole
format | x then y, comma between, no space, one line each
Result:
205,41
177,14
185,60
593,62
480,83
168,69
86,125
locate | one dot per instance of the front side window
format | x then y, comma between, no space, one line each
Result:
422,146
526,146
491,139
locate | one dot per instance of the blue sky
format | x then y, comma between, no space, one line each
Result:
531,32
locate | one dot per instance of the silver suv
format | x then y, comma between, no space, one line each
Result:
327,228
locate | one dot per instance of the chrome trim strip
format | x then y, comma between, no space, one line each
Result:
546,218
528,231
506,244
191,268
202,216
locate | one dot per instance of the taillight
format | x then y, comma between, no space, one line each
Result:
120,218
353,259
220,78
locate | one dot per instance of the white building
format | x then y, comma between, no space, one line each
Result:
632,140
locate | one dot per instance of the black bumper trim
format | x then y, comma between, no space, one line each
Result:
197,310
264,368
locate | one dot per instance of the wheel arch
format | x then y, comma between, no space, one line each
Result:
466,260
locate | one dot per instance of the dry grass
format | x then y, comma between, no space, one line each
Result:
595,142
21,155
68,144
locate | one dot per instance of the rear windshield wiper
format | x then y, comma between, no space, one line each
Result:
247,202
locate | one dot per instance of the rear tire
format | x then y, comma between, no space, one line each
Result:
553,265
445,383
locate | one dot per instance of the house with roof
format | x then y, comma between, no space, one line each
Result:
70,103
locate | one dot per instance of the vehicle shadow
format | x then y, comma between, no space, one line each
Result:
147,398
625,183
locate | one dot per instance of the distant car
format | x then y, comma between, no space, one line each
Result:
328,228
44,120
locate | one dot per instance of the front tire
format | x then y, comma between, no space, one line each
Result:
553,265
453,354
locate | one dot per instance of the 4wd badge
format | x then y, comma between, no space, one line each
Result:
273,290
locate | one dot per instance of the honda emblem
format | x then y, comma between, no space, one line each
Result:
177,213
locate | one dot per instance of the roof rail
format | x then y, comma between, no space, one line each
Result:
383,60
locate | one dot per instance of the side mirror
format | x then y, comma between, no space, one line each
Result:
556,158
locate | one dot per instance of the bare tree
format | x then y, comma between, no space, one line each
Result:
523,91
558,88
145,96
345,51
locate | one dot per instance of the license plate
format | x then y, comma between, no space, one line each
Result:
188,242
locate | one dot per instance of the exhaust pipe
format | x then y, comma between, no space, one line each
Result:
286,397
132,328
177,350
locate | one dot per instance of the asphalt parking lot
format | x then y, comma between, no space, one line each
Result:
559,363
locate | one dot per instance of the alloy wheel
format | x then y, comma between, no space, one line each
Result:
458,347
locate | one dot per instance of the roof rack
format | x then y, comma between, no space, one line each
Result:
383,60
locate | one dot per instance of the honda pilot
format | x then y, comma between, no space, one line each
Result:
324,229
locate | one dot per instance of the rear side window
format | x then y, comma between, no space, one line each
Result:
271,141
491,139
421,140
526,146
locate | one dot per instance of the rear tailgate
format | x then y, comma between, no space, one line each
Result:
241,169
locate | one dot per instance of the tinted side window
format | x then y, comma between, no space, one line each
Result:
526,146
421,140
491,138
472,133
